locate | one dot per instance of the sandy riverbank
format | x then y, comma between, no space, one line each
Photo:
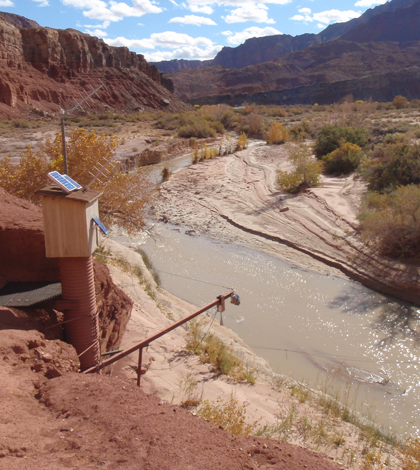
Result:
235,199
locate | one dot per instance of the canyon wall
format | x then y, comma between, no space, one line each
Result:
43,70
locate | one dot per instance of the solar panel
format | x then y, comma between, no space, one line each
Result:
100,225
65,182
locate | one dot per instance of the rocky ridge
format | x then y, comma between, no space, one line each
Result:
324,73
43,70
382,41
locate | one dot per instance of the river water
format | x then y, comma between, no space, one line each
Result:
325,331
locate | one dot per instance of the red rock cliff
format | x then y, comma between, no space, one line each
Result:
43,69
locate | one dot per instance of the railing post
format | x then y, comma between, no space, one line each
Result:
221,307
139,366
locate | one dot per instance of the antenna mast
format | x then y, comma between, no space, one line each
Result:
63,116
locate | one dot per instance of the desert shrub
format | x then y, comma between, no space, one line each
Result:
307,172
251,124
392,165
343,160
190,124
400,102
198,129
391,222
212,350
229,119
277,134
397,138
275,111
331,137
300,130
411,452
228,414
242,142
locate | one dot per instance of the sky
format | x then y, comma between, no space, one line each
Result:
187,29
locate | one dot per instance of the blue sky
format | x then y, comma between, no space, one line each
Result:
187,29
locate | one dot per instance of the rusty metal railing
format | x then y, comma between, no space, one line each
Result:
220,302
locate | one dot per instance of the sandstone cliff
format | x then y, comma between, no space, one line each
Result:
43,70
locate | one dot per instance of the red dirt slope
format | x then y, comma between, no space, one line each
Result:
78,421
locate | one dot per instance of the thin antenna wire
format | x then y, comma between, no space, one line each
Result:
99,172
63,116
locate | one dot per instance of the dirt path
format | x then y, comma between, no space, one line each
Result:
235,199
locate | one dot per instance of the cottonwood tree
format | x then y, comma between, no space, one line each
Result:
307,171
125,196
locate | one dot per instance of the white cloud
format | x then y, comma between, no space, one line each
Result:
257,13
192,19
42,3
187,52
168,39
206,9
96,32
104,25
326,17
253,32
369,3
332,16
6,3
99,10
237,3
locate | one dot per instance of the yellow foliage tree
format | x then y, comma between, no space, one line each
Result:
307,172
277,134
242,142
124,195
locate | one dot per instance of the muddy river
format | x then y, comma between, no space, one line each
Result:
325,331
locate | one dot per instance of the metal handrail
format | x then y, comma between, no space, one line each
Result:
220,302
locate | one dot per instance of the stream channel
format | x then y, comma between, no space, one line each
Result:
327,332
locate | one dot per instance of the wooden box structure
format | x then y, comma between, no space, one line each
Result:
69,229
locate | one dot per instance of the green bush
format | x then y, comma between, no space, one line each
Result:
307,172
332,137
392,165
343,160
301,130
392,222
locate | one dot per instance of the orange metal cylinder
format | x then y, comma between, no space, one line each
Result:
81,327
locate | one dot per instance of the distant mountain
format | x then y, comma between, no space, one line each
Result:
19,21
258,50
337,30
326,63
176,65
400,26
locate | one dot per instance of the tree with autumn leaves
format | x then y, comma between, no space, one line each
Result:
125,196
